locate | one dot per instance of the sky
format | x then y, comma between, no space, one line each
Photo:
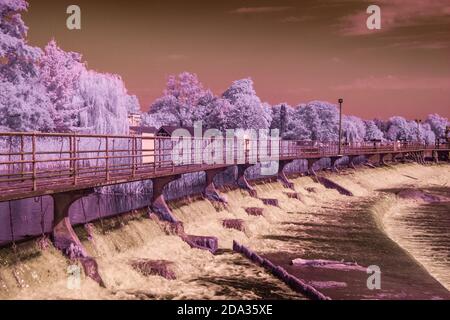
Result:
295,51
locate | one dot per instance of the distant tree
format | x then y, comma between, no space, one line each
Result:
102,100
186,88
401,129
372,131
437,124
133,105
426,134
382,125
60,73
247,111
25,107
321,120
181,97
18,60
212,111
281,116
354,129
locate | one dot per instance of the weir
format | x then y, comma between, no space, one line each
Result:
242,181
210,192
64,237
334,161
69,180
282,175
158,203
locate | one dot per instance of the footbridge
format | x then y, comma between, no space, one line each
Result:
68,166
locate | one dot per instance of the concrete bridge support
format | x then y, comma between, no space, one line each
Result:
375,159
210,192
334,163
282,176
158,204
382,159
64,237
242,180
351,163
394,157
311,171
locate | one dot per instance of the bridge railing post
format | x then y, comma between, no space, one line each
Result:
74,155
107,158
133,155
33,147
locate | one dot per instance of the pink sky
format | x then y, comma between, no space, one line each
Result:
294,51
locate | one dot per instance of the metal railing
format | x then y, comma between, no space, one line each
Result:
43,163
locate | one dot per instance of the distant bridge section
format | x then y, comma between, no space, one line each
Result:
37,164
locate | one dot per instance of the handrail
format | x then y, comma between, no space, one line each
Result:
35,163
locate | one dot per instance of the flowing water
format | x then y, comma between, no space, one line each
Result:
323,224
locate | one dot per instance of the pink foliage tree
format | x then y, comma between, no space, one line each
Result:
60,74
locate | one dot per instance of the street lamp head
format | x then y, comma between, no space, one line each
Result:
341,100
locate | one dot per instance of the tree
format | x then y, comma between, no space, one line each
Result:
24,104
321,120
354,129
60,73
212,111
181,97
437,124
372,131
247,111
25,107
426,134
401,129
102,100
18,60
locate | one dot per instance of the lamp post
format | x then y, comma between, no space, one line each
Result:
340,125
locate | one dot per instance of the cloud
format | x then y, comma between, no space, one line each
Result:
391,82
176,56
293,19
257,10
396,14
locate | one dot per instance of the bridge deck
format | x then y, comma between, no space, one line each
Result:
36,164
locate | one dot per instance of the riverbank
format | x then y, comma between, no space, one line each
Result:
320,224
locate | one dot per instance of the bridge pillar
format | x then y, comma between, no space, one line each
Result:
382,157
282,176
351,164
333,163
394,157
311,163
64,237
443,155
371,159
242,180
210,192
158,204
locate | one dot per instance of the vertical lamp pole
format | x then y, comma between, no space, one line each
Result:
340,125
